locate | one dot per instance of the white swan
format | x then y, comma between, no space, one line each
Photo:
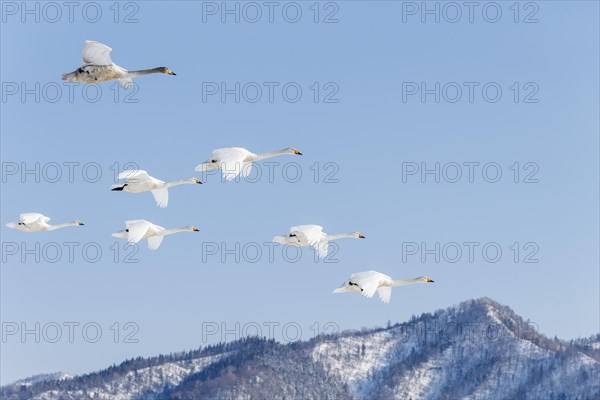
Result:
313,236
235,161
139,181
141,229
368,282
98,67
36,222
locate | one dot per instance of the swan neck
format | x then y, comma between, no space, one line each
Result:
173,230
142,72
179,182
63,225
271,154
340,236
402,282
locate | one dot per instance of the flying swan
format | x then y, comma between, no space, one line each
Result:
98,67
36,222
141,229
139,181
368,282
313,236
235,161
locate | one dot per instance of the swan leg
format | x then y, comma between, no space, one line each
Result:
126,83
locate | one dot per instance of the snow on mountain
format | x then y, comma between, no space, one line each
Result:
56,376
476,350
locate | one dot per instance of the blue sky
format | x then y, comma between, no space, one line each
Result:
370,134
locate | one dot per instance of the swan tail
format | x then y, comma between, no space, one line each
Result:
341,290
120,235
205,167
69,76
279,239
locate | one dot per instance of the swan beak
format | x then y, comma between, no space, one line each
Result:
297,152
171,72
198,181
195,229
361,236
428,280
81,223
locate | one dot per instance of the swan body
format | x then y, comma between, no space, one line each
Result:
98,67
369,282
141,229
139,181
36,222
236,161
313,236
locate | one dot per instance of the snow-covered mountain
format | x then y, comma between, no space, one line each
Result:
476,350
56,376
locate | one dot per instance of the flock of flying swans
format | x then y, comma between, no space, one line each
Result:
233,161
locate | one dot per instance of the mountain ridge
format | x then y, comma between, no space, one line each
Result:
476,349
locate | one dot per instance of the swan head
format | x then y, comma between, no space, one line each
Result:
425,279
197,181
359,235
192,228
79,223
292,150
166,70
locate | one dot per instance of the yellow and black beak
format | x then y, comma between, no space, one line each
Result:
297,152
428,280
198,181
195,229
81,223
171,72
361,236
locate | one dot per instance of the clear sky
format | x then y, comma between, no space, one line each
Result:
372,60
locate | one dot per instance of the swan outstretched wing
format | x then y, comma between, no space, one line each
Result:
137,229
137,175
246,169
368,281
154,242
322,248
231,161
131,222
161,196
32,218
96,53
385,293
310,234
